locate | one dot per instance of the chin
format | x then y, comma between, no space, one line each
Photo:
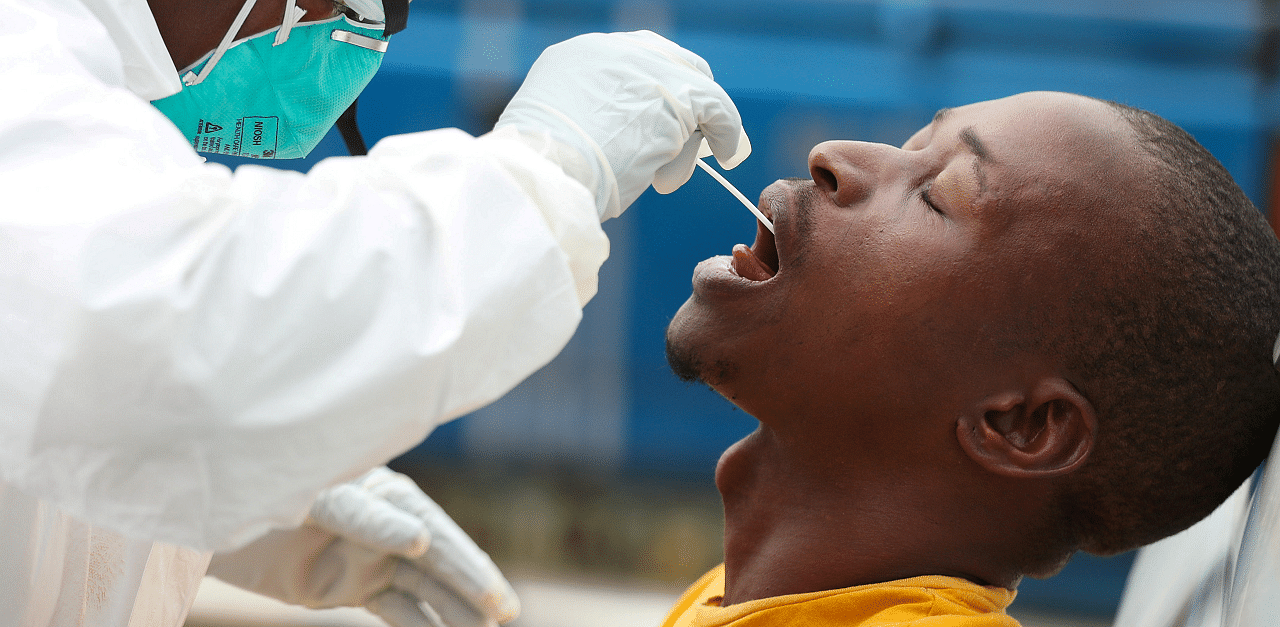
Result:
683,360
689,360
684,355
699,348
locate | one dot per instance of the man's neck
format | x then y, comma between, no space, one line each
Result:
794,528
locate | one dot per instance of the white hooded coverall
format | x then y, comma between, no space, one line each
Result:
173,332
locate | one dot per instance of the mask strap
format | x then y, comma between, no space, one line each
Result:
192,78
292,15
1275,353
397,15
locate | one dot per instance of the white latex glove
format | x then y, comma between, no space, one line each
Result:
377,542
622,111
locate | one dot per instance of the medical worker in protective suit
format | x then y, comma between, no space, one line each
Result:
196,361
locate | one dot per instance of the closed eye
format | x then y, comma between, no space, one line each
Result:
924,197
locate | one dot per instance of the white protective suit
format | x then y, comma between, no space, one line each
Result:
274,324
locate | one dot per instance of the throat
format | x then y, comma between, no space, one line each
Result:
795,528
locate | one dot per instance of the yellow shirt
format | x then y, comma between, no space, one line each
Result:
931,601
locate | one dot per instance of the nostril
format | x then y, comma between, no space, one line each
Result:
825,179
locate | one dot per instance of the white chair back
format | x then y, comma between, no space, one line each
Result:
1181,581
1253,599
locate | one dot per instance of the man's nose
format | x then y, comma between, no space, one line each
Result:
847,171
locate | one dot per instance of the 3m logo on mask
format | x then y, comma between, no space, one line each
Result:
253,137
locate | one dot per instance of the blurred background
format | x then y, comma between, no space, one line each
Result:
591,483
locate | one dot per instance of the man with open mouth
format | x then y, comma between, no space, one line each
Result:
1042,325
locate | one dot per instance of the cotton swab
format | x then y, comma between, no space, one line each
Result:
737,194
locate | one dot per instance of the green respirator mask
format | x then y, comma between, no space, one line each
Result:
276,94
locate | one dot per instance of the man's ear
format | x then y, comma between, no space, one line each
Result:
1042,432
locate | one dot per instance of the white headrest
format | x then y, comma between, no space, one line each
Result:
1255,590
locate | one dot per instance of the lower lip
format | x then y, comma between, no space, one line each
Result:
716,275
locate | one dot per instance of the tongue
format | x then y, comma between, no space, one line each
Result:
748,266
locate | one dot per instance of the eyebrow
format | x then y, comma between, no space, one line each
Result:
967,135
975,145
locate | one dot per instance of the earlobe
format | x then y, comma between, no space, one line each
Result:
1038,433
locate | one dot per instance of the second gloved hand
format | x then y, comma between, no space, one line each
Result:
622,111
377,542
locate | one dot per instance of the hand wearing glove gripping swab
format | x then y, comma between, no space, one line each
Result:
623,111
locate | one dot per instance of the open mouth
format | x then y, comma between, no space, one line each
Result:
759,262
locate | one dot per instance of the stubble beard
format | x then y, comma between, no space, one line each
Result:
687,363
683,360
